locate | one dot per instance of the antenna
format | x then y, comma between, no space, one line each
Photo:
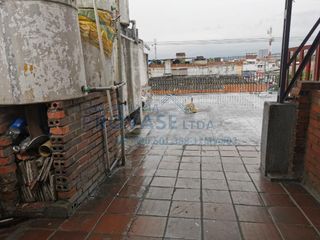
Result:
271,40
155,49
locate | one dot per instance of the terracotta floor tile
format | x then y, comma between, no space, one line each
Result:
193,147
227,148
95,205
172,159
64,235
172,152
210,153
192,153
214,184
212,160
241,186
187,195
306,200
253,214
216,167
218,230
216,196
216,211
287,215
166,173
249,154
124,206
148,226
149,164
154,207
189,174
234,167
159,193
132,191
99,236
253,168
83,221
276,200
181,209
210,148
269,187
190,166
157,152
47,223
183,228
108,190
163,182
246,198
298,232
145,172
31,234
295,188
229,153
113,224
159,147
139,181
175,147
188,183
249,161
247,148
234,176
169,165
186,159
235,160
213,175
314,215
261,231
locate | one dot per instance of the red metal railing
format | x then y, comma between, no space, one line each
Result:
312,70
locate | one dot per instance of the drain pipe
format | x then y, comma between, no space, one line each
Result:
116,87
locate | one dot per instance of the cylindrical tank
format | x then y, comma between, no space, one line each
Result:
101,4
41,57
92,57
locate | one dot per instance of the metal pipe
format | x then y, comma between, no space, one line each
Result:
285,49
128,38
88,89
121,118
102,56
303,64
106,155
119,100
304,42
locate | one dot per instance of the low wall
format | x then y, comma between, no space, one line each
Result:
312,156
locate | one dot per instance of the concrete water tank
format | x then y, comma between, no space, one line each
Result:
92,57
41,57
101,4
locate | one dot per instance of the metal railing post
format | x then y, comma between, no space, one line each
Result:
285,50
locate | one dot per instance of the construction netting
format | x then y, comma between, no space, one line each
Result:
89,31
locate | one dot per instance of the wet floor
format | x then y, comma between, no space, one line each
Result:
221,119
186,192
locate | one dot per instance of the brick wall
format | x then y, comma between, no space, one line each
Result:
303,102
9,195
312,156
302,96
78,146
232,88
79,159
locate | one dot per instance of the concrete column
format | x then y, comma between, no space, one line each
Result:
277,140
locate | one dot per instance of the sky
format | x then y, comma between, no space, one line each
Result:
183,20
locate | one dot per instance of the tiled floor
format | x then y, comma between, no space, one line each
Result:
187,192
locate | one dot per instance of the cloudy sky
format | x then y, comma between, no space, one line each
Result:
181,20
